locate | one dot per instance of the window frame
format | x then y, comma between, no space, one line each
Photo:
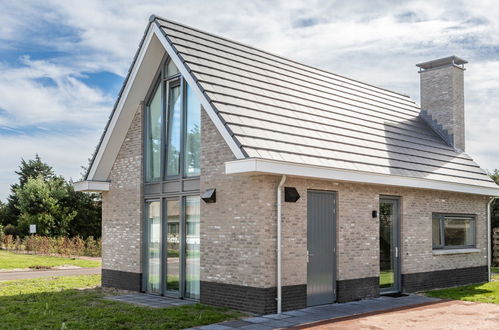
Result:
165,83
147,129
441,218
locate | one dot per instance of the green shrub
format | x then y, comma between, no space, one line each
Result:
66,246
2,235
11,230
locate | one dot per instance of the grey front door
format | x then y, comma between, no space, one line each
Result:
321,247
389,245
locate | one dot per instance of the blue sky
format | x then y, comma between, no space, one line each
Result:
62,63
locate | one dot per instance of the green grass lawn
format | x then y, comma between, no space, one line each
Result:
10,260
494,270
486,293
386,279
73,302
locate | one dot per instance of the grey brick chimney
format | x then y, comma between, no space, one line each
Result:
442,98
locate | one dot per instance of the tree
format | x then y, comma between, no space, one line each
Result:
32,168
88,219
43,202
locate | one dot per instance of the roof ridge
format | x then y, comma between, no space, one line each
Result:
154,17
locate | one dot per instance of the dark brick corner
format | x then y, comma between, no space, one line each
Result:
121,280
443,278
356,289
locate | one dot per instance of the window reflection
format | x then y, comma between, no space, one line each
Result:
193,134
174,122
192,240
153,139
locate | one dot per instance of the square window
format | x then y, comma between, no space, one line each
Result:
451,231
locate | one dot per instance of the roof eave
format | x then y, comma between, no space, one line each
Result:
264,166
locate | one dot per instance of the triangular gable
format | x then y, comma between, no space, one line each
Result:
152,49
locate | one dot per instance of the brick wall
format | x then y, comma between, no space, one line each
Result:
238,232
122,205
357,231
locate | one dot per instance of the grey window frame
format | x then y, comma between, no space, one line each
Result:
147,115
165,82
441,217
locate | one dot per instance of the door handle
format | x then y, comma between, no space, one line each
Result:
396,252
309,255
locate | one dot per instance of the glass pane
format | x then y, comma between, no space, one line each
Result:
154,248
171,69
386,277
458,232
193,134
173,245
153,140
192,239
436,232
174,122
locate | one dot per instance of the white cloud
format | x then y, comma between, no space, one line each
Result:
377,41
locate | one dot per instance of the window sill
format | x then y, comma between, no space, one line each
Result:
455,251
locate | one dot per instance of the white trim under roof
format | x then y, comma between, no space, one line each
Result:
91,186
254,165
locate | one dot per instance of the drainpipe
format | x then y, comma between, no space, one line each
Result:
279,252
489,247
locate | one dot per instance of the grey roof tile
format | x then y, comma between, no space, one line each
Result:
283,110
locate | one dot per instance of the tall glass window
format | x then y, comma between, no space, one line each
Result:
171,69
192,147
153,138
173,245
154,247
174,125
192,239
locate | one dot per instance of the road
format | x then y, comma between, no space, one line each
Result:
19,275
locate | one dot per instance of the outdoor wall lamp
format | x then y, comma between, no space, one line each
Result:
209,196
375,214
291,195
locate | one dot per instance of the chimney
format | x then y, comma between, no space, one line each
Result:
442,98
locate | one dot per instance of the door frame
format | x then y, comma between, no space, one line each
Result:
181,294
397,285
335,245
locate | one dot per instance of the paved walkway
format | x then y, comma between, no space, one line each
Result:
305,318
443,315
20,275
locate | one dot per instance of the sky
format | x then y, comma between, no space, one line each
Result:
62,63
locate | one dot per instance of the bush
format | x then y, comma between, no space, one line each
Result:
2,235
66,246
11,230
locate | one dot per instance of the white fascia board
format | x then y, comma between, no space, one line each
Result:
91,186
116,115
201,97
253,165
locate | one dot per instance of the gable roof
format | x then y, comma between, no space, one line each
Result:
271,108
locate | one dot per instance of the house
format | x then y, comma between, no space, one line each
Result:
239,178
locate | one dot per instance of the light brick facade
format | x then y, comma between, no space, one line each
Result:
122,205
238,232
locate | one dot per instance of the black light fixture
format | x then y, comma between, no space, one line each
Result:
209,196
291,195
375,214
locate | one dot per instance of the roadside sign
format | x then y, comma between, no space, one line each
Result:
32,229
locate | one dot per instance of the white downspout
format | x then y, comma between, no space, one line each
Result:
279,252
489,247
